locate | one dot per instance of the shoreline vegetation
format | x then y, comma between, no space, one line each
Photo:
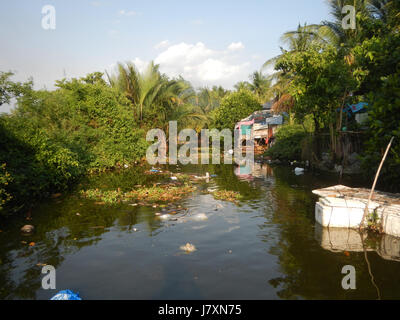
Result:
52,139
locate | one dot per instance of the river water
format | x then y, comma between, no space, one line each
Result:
268,246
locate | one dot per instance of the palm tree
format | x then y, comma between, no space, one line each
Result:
300,40
242,85
260,85
150,90
205,102
365,9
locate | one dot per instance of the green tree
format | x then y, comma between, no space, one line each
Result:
320,81
10,89
234,107
151,93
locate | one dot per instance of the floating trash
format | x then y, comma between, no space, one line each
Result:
27,229
188,247
200,217
66,295
299,171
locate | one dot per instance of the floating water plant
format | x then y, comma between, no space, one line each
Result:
226,195
161,193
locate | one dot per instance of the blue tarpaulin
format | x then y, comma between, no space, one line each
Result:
66,295
354,108
358,107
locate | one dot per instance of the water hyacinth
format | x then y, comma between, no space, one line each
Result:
226,195
152,194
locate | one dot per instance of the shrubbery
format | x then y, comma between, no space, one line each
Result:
288,143
53,137
234,107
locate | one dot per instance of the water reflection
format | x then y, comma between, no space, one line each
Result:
349,240
250,171
266,247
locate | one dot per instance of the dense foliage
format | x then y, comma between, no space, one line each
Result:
53,137
233,108
328,67
87,125
379,61
289,141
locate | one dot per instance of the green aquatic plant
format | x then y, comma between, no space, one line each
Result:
226,195
164,193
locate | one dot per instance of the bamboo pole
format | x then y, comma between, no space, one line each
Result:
375,181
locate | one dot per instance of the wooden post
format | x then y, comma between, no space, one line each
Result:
375,181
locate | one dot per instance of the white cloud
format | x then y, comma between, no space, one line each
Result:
199,64
128,13
140,64
202,65
162,44
234,46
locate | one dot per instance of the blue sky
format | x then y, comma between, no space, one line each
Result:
208,42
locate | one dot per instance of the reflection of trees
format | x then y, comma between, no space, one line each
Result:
60,232
227,180
308,270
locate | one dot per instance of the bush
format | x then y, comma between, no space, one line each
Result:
54,137
5,179
384,124
288,143
234,107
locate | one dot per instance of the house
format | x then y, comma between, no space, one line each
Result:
260,125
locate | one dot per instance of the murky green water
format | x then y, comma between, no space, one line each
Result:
267,247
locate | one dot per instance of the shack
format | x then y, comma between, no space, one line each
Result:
260,126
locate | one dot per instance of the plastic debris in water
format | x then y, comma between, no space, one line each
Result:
188,247
27,229
299,171
200,217
66,295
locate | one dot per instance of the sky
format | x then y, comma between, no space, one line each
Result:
207,42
